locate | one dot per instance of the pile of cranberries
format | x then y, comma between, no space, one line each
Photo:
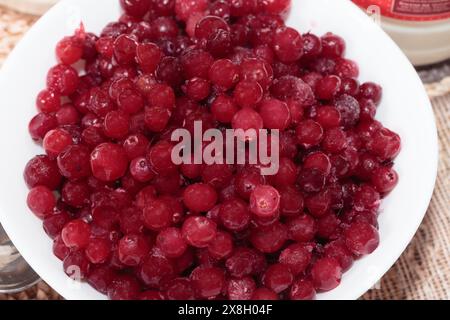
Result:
134,225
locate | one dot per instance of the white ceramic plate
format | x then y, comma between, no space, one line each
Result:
405,109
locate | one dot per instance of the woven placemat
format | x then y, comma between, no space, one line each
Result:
422,272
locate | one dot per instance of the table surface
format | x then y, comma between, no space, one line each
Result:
422,272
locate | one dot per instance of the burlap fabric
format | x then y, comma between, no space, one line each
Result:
422,272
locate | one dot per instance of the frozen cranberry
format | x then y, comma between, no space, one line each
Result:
208,282
302,290
155,270
328,87
368,109
246,119
361,238
76,234
76,265
200,197
67,115
197,89
291,201
171,242
288,44
59,248
130,101
350,86
244,262
62,79
69,49
199,231
257,70
309,133
333,45
223,108
349,109
326,274
164,28
276,6
157,215
278,277
384,144
140,170
41,170
160,157
55,141
100,102
157,118
312,46
222,245
108,162
41,201
296,257
334,140
186,8
264,294
275,114
240,289
269,239
75,193
180,289
123,287
372,91
48,101
264,201
125,49
286,175
328,117
41,124
346,68
291,87
135,145
302,228
317,160
100,278
98,251
132,249
248,94
384,179
242,7
234,215
338,250
196,63
224,74
136,8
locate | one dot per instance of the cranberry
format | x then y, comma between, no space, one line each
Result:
264,294
108,162
75,193
326,274
384,179
361,238
69,50
328,117
76,265
288,44
199,231
157,215
133,249
328,87
302,228
76,234
224,74
171,242
123,287
372,91
347,68
246,181
350,86
222,245
42,171
349,109
338,250
67,115
309,133
287,173
136,8
62,79
197,89
275,114
368,109
291,201
155,270
246,119
264,201
160,157
332,45
244,262
200,197
317,160
98,251
223,108
196,63
41,124
48,101
302,290
257,70
269,239
185,8
234,215
384,144
41,201
240,289
276,6
180,289
248,93
208,282
278,277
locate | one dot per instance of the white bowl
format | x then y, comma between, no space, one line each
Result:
405,109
